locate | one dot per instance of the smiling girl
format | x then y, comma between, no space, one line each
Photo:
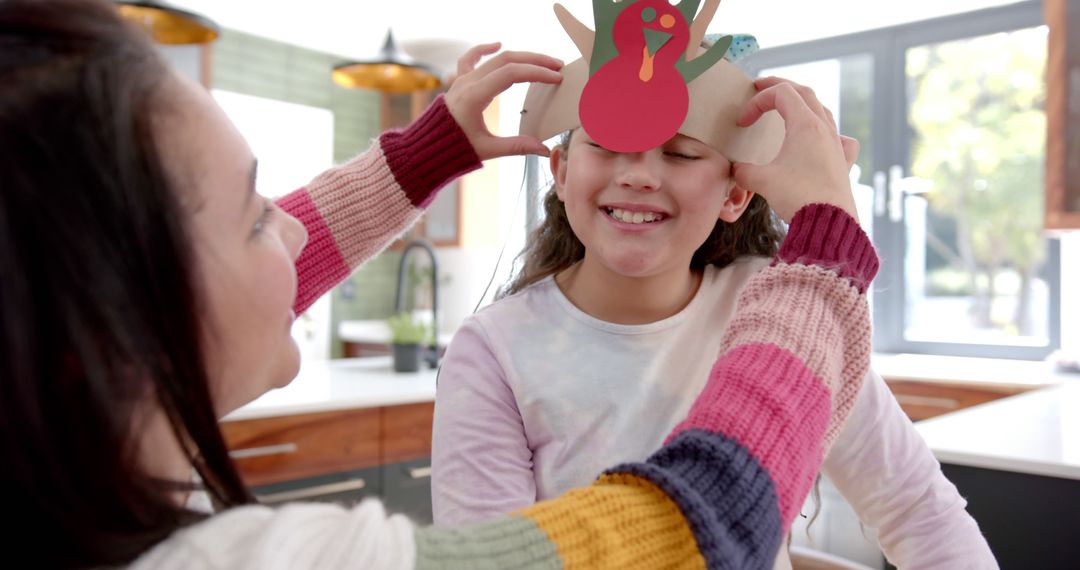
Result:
601,342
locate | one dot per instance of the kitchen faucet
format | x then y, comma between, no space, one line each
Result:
431,356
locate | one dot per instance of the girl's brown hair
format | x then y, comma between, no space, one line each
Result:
553,247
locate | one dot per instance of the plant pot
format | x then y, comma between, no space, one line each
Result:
406,357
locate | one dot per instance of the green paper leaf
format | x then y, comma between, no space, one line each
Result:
604,14
690,70
689,9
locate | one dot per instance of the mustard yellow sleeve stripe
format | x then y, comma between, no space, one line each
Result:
621,521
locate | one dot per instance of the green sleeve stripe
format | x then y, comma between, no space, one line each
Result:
511,542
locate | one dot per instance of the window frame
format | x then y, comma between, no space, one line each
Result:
890,145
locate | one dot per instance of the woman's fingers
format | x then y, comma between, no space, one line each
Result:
467,62
501,79
494,83
478,85
514,146
782,98
516,57
792,108
813,162
807,94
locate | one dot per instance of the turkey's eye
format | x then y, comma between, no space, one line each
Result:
648,15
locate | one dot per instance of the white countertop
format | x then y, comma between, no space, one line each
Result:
326,385
1037,433
964,370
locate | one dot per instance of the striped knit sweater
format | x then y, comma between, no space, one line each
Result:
720,493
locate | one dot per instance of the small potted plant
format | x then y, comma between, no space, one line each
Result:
406,341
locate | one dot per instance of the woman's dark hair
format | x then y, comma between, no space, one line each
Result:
553,247
98,304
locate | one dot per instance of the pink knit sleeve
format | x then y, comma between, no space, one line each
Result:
822,240
355,210
806,338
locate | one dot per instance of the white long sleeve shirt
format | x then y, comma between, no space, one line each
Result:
536,397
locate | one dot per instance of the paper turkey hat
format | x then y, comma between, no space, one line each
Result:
644,76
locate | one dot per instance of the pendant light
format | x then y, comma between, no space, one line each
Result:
392,72
169,25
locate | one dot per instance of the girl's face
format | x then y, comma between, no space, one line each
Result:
644,214
245,249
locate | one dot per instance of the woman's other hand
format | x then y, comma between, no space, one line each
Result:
814,162
473,88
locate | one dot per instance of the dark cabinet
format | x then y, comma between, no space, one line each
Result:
1030,521
407,489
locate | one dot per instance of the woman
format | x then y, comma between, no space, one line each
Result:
148,291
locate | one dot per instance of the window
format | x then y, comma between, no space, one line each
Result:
950,178
293,143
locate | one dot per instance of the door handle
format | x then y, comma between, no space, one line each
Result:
881,193
896,193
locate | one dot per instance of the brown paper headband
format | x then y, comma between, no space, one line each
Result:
645,85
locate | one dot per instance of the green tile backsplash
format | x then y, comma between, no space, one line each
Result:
261,67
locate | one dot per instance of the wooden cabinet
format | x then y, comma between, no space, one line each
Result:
406,432
339,456
352,349
1063,115
272,450
921,400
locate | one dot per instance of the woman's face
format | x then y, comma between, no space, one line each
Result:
644,214
245,249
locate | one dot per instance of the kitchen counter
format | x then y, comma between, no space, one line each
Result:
1016,461
348,383
970,371
1037,433
370,382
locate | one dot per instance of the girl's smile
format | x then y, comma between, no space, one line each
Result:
632,217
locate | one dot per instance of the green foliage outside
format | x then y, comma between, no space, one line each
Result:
979,134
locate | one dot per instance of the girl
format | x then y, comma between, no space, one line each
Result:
605,336
148,291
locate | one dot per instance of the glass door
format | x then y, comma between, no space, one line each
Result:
977,268
950,114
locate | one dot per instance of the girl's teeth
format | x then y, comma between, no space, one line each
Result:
628,217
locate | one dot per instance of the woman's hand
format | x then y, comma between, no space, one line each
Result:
473,88
814,162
